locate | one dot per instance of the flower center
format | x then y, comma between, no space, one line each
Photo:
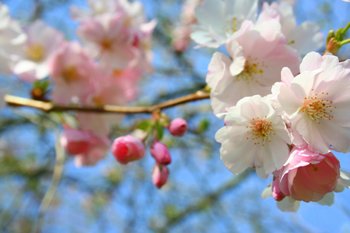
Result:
250,69
317,108
117,73
106,44
35,52
261,129
70,74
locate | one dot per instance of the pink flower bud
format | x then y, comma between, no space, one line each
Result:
178,127
307,176
160,153
160,175
276,192
75,141
128,148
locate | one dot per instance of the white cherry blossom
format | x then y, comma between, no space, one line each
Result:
42,42
219,19
254,135
304,38
11,40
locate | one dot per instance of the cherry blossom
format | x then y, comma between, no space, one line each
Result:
11,40
118,36
42,42
182,33
304,38
255,136
87,147
257,52
72,72
218,20
317,102
307,176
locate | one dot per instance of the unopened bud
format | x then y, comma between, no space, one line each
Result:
128,148
160,153
160,175
178,127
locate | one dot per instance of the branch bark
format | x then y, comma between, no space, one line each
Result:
16,101
204,202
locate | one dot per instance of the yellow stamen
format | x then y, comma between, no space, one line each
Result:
35,52
317,108
261,129
70,74
106,44
250,69
117,73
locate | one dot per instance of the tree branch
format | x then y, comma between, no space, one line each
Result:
17,101
203,203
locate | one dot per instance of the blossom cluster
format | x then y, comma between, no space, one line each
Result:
104,66
285,108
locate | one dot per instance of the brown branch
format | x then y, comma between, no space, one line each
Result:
206,201
17,101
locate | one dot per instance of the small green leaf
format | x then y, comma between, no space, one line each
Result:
203,126
144,125
170,211
159,131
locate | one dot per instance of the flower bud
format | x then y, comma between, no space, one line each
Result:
75,141
178,127
160,153
276,192
160,175
128,148
307,176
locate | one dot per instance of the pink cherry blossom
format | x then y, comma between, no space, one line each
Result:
127,149
109,41
160,175
257,52
317,102
72,72
160,153
178,127
181,34
94,155
119,37
75,141
307,176
87,147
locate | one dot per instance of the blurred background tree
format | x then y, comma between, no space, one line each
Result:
42,190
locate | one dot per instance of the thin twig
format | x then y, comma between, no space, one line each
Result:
204,202
17,101
56,178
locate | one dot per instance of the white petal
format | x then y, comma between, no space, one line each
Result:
290,99
335,135
310,132
288,205
311,61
